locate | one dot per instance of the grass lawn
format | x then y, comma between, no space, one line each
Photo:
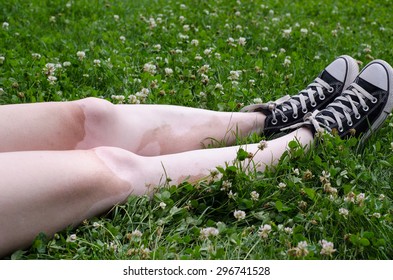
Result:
218,55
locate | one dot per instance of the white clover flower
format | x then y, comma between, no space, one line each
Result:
296,171
152,23
150,68
226,185
66,63
136,233
242,41
204,79
300,250
6,25
81,55
116,17
198,57
157,47
72,238
122,39
49,69
263,144
327,248
381,197
68,5
234,75
287,61
264,231
132,99
2,59
254,195
218,86
168,71
36,55
343,212
304,31
208,51
204,69
282,185
96,225
119,98
97,62
162,205
209,231
286,33
52,79
377,215
288,230
186,28
182,18
257,100
52,19
239,215
302,246
325,177
183,6
360,198
194,42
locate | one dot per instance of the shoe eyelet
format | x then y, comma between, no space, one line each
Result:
341,129
314,104
358,116
295,116
374,100
322,97
304,110
274,121
366,108
285,119
349,123
330,90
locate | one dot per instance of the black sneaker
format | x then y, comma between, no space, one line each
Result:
290,110
362,108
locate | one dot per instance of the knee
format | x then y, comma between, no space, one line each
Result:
96,110
125,166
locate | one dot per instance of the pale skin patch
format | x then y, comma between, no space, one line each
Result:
41,126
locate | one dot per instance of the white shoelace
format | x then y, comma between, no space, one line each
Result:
280,106
339,110
342,107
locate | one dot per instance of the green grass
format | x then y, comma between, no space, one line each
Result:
306,209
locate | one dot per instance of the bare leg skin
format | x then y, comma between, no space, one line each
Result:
46,191
142,129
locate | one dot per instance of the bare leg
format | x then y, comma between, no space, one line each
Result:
141,129
45,191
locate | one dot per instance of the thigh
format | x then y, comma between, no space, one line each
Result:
41,126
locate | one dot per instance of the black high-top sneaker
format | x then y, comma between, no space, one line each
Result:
362,108
290,110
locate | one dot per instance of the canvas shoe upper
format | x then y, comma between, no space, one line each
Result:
290,110
362,108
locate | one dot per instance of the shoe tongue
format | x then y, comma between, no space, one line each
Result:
327,77
367,86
